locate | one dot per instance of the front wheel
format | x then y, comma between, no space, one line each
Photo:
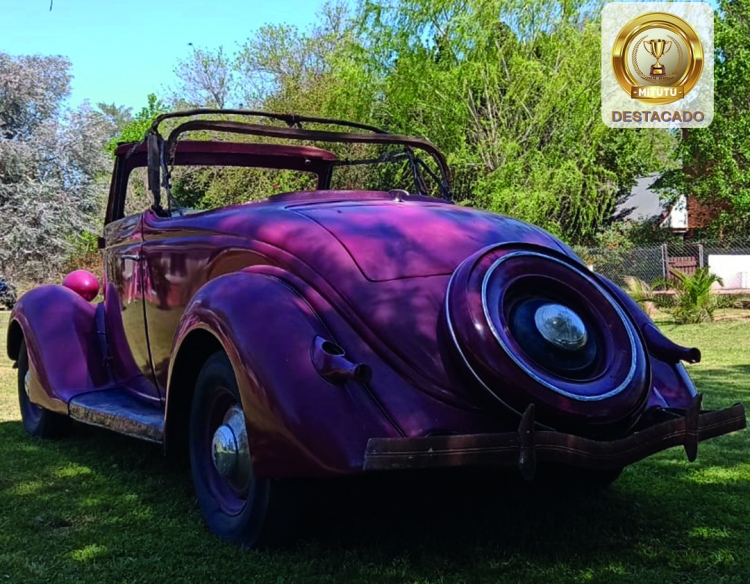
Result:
37,421
238,506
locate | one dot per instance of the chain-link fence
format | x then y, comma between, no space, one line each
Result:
729,259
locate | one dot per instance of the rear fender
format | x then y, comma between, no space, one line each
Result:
299,424
672,386
61,333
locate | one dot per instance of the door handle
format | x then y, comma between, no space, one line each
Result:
134,257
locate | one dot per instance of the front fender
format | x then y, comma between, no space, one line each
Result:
299,424
672,386
60,329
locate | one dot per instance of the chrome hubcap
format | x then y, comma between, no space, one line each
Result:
561,326
27,382
229,448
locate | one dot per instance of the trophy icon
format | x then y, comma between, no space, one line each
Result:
656,48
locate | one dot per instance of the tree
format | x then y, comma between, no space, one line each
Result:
134,130
205,79
31,92
510,90
117,115
52,166
715,161
283,68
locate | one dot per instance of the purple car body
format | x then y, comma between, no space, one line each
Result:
365,330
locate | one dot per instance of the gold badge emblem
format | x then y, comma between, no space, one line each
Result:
657,58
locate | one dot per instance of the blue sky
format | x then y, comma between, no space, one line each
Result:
123,50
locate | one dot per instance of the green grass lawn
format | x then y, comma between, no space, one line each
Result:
101,508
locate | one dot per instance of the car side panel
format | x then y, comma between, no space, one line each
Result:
299,423
402,395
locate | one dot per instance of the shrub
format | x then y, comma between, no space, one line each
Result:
642,293
694,301
664,301
85,254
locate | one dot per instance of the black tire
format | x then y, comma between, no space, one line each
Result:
258,513
37,421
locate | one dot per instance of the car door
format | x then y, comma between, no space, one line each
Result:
179,255
126,326
175,262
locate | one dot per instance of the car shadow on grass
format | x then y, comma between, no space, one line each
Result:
102,499
730,381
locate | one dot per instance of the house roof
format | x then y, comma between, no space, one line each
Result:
643,203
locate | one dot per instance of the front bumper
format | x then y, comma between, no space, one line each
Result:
526,446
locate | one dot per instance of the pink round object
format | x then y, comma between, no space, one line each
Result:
83,283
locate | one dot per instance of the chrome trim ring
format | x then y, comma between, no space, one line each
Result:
457,345
529,371
229,448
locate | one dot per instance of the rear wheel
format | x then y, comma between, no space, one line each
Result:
37,421
238,506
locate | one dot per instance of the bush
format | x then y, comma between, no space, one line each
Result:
642,293
664,301
694,301
738,301
85,255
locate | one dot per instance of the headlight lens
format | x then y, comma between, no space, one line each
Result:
560,326
554,336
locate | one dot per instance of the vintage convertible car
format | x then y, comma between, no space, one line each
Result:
332,332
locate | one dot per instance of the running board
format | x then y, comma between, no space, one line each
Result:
117,410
